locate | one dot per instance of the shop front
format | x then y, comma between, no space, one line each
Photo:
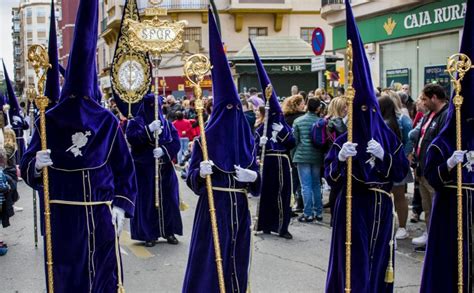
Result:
411,46
282,75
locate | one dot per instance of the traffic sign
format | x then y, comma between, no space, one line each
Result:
318,63
318,41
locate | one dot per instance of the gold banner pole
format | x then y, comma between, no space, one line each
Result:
350,94
458,66
31,94
155,61
38,57
268,95
195,68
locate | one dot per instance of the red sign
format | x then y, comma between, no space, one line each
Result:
318,41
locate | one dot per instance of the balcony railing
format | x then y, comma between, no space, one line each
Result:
330,2
182,5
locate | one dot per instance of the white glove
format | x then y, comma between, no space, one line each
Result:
205,168
245,175
158,153
118,217
374,148
456,157
155,126
263,141
348,150
16,118
43,159
277,127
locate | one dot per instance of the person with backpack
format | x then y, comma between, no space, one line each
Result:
308,160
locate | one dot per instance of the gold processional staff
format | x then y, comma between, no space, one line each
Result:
38,57
350,94
196,67
458,66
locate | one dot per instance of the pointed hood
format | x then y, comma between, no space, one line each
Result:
265,81
122,48
467,91
83,130
275,112
227,129
11,97
367,122
52,90
81,74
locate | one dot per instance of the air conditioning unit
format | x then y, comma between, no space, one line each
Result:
191,46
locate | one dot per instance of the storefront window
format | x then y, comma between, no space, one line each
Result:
415,55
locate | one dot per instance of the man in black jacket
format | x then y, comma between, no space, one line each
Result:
434,98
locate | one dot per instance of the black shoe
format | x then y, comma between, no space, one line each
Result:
172,240
286,235
305,219
319,218
149,243
294,214
420,248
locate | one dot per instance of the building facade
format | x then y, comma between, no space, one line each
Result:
17,60
30,26
66,29
239,20
406,41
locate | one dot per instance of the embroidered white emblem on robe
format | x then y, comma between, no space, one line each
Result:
79,140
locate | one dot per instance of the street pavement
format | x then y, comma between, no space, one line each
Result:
279,265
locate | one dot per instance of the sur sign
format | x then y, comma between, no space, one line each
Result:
318,41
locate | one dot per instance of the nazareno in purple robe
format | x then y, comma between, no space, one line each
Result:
150,223
440,267
372,180
92,172
230,143
274,212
